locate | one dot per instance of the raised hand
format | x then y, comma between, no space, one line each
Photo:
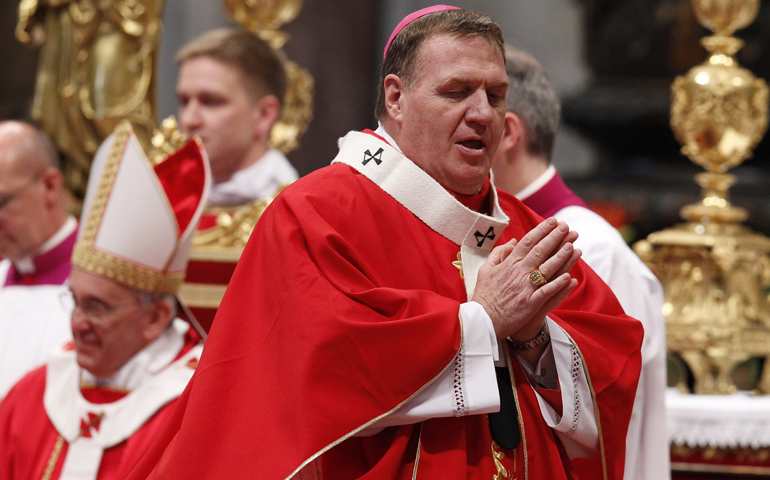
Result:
517,304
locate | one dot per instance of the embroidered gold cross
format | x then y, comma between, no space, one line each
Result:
459,265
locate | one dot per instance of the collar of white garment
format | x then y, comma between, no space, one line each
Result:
26,265
67,409
259,180
384,164
539,183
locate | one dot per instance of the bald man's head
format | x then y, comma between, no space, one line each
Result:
32,205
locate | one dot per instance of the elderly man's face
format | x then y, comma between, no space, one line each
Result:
24,204
214,104
110,324
451,119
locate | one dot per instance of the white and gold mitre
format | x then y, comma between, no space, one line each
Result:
139,219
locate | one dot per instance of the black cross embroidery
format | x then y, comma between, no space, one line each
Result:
481,237
377,157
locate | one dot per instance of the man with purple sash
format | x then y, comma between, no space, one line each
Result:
37,236
522,166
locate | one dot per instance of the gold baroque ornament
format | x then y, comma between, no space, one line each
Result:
297,110
715,272
233,227
96,68
166,140
264,16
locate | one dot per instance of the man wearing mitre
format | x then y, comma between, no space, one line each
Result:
92,410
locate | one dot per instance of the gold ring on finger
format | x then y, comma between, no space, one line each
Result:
537,278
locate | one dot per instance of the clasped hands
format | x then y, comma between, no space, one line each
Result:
511,298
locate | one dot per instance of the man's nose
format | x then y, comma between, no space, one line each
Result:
79,321
481,110
189,116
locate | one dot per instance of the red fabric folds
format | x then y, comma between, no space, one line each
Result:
343,306
182,176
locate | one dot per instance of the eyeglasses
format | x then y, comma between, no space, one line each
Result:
94,309
8,198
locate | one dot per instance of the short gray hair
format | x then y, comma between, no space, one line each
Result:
532,97
148,298
403,54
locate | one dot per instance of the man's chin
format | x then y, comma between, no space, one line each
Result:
87,363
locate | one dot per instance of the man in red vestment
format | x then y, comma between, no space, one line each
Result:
93,409
397,317
36,240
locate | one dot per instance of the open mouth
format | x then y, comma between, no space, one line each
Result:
473,144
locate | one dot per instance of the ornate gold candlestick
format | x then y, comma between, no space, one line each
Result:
714,271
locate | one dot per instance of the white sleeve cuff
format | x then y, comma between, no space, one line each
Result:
576,427
468,386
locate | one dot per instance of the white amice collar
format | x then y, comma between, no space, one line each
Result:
474,232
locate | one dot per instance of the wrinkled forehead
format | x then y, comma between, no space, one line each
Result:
437,51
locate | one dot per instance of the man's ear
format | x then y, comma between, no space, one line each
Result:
394,88
53,181
513,132
266,113
158,320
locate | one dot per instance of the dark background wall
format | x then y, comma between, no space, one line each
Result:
17,67
336,41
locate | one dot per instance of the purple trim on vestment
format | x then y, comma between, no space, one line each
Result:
51,268
554,196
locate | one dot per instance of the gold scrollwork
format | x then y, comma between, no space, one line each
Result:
498,456
96,68
233,228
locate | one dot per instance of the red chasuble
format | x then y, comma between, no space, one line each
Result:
344,305
31,447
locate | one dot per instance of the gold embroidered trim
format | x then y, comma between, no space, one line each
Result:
88,258
99,201
105,387
377,419
53,459
498,456
417,455
593,399
459,265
